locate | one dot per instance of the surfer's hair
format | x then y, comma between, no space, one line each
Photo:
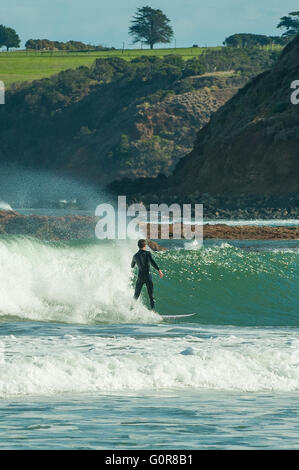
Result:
141,243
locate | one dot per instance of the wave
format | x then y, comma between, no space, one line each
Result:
226,284
238,222
68,282
256,222
256,362
92,282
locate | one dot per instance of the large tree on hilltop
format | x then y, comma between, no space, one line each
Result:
290,23
8,37
150,26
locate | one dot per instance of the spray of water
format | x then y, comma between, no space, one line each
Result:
24,188
4,206
78,282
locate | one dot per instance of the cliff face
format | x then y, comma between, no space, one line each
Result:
251,144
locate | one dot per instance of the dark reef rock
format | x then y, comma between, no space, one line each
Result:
242,232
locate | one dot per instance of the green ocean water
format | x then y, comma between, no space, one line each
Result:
234,283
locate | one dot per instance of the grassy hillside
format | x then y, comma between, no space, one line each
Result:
22,66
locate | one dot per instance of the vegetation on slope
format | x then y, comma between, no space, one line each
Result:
119,118
251,144
34,65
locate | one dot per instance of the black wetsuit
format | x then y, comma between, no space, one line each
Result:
144,259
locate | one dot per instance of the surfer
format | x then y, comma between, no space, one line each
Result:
144,259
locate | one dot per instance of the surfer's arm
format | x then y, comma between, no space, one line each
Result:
154,264
133,263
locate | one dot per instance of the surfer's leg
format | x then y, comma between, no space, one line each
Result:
138,288
150,290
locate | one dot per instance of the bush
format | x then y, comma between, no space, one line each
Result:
46,44
194,67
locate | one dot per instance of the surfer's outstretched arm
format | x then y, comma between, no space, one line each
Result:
154,264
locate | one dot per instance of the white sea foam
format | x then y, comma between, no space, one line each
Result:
51,365
252,222
192,245
286,250
5,207
256,222
70,283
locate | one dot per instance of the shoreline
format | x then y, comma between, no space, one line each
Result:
234,232
79,227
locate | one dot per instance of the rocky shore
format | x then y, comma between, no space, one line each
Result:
228,206
241,232
77,227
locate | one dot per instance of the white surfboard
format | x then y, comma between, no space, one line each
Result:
177,316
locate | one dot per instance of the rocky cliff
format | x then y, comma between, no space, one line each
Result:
251,144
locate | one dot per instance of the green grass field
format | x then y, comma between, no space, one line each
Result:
18,66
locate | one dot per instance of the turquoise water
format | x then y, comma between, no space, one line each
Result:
84,366
206,420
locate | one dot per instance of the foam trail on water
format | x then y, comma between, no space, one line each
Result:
193,245
254,362
74,282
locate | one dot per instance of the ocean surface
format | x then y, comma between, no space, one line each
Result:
83,366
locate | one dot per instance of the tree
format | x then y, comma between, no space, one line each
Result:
31,44
8,37
46,44
290,23
244,40
150,27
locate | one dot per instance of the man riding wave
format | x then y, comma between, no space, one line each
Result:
143,259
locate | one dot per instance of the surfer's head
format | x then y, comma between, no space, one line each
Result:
141,244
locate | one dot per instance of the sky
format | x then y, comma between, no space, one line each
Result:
199,22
